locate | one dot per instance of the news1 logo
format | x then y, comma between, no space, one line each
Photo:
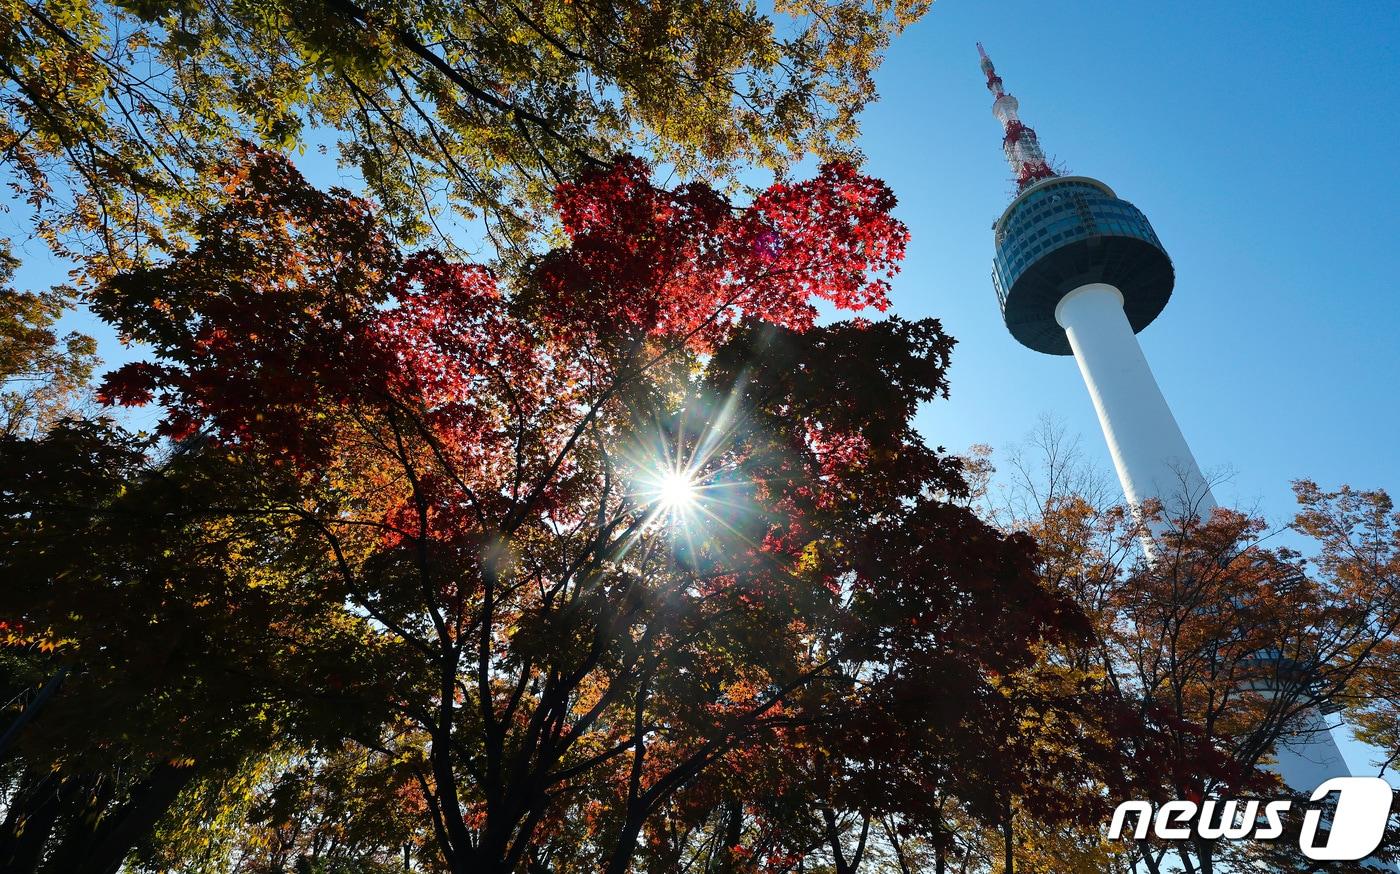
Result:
1356,829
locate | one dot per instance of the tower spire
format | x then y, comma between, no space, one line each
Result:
1020,144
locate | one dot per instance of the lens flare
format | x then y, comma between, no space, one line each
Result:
677,491
680,479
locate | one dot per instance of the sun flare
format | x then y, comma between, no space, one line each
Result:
677,491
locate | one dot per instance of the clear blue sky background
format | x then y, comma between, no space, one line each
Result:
1260,140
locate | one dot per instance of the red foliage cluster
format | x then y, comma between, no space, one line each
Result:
451,347
254,351
259,329
686,264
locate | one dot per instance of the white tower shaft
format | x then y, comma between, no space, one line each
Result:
1154,462
1148,448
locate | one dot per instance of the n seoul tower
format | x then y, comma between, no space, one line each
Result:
1079,272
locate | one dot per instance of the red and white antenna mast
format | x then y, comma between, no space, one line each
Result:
1020,144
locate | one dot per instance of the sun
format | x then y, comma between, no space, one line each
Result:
677,491
679,478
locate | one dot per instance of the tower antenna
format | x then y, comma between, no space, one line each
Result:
1022,147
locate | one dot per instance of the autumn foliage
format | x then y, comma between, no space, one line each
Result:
457,467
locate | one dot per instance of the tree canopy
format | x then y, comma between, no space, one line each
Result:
114,112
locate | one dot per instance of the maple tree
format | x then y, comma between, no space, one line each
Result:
1359,535
181,633
1259,641
42,375
340,809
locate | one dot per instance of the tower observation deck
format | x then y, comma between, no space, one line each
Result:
1064,232
1079,271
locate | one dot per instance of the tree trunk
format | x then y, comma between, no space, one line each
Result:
32,710
29,823
1147,859
892,835
102,850
1205,856
833,839
1008,841
1185,856
626,844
